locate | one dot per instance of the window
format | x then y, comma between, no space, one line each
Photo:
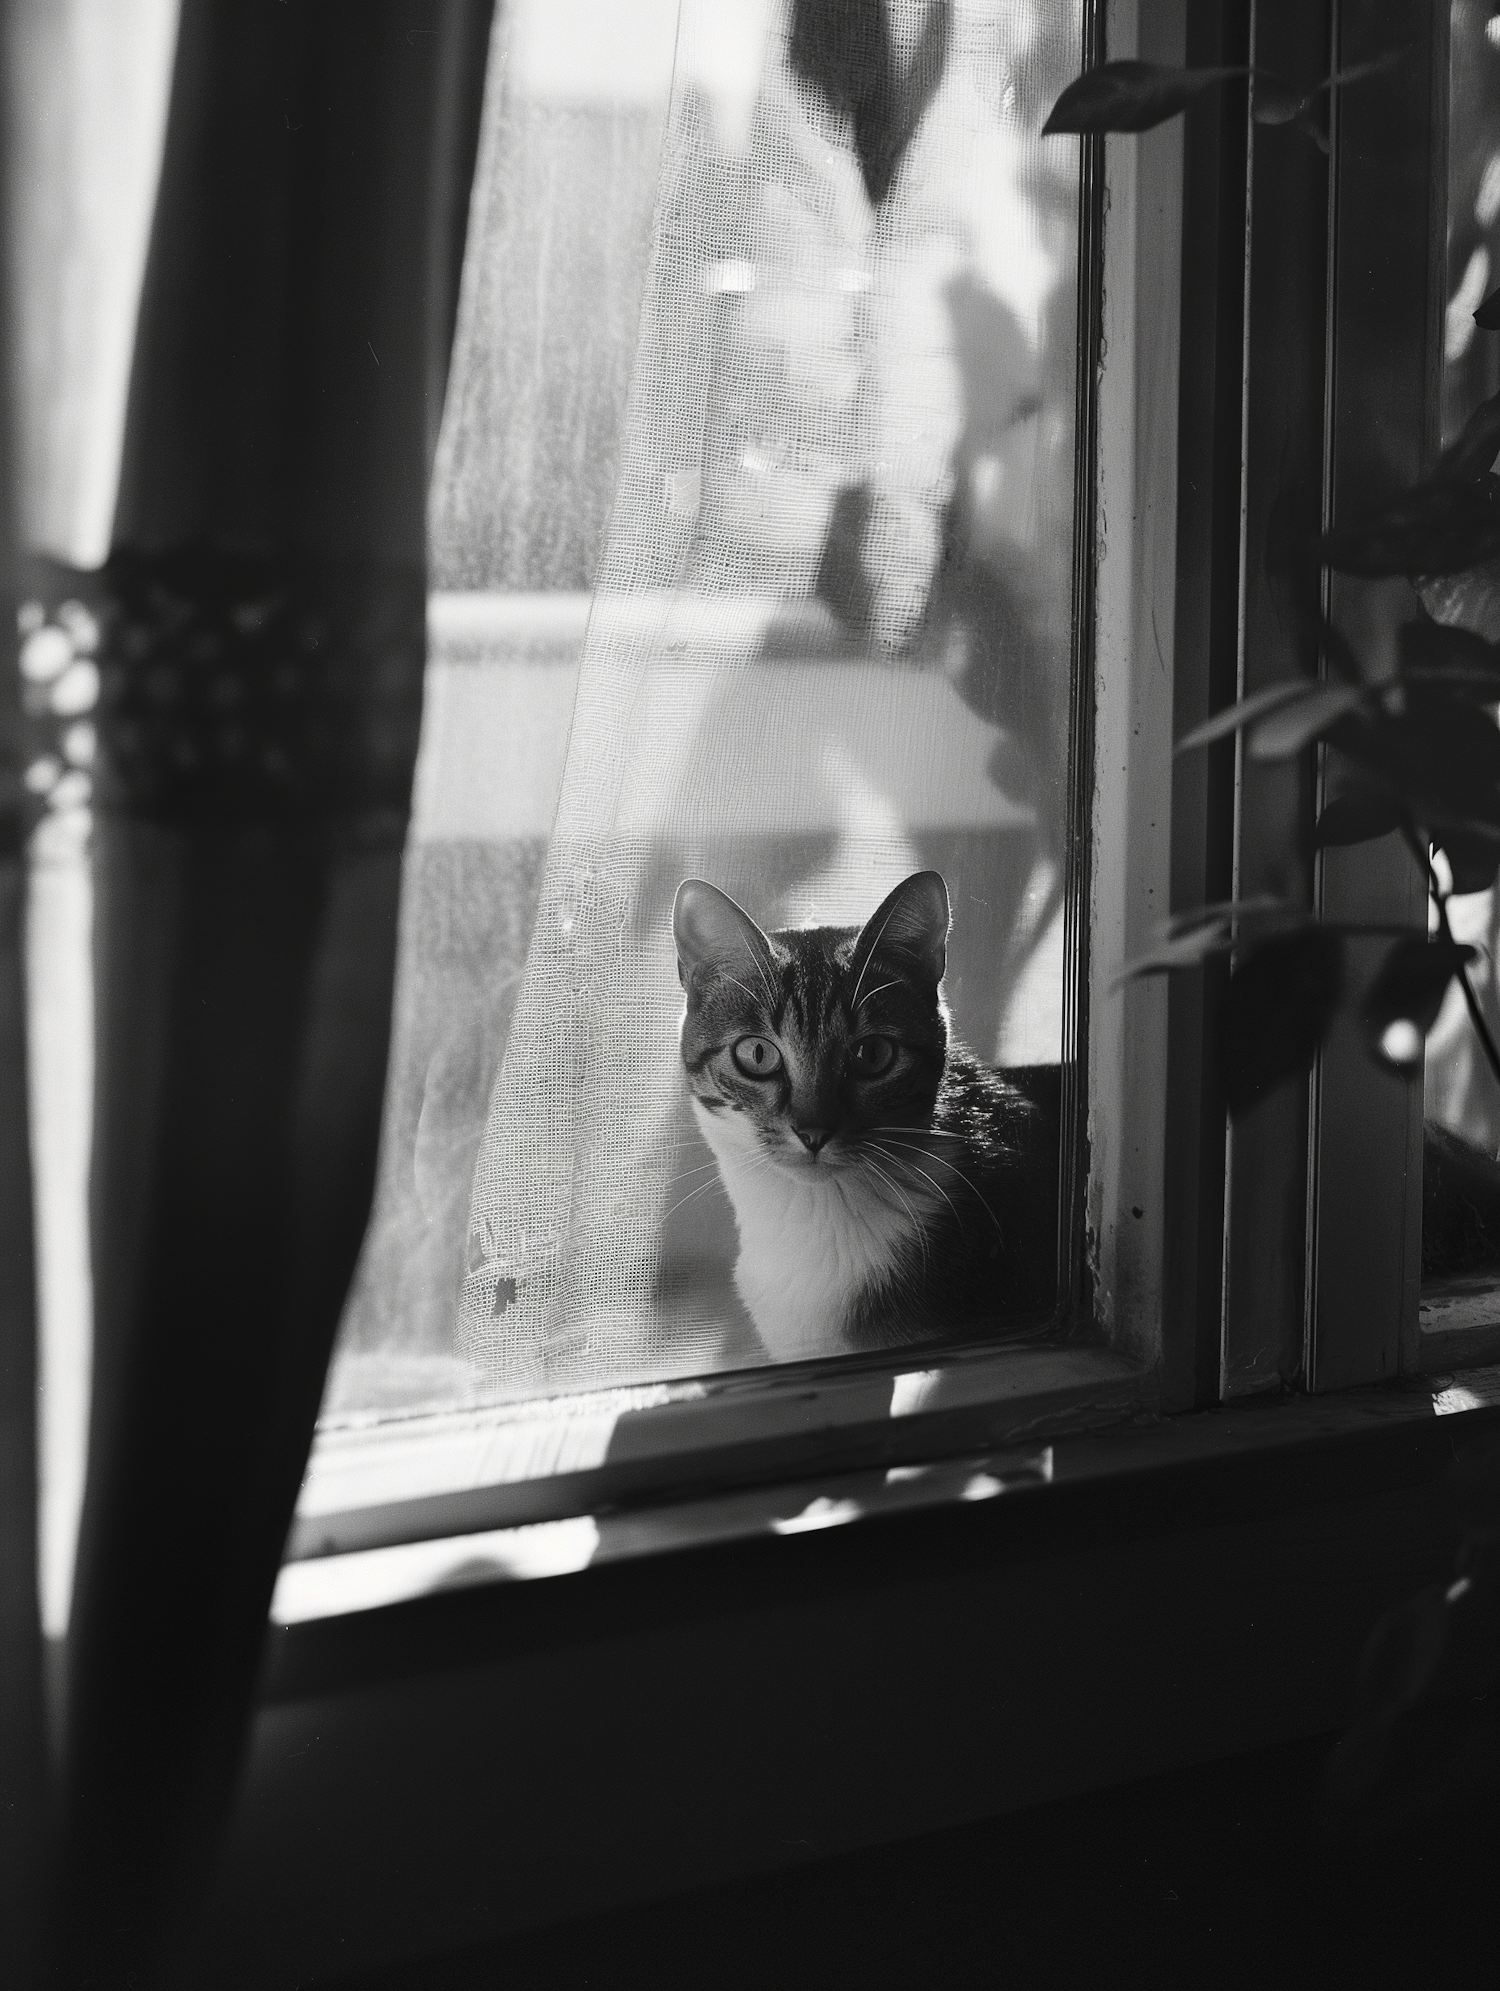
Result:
779,574
1460,1313
798,619
882,520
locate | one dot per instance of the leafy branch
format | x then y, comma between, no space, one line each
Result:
1415,749
1130,96
1419,753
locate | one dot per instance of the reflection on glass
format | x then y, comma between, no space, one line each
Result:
752,529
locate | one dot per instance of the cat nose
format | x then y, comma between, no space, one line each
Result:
813,1138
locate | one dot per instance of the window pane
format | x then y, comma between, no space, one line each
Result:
753,535
1461,1227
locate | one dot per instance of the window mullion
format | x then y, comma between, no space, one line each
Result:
1285,336
1364,1243
1206,649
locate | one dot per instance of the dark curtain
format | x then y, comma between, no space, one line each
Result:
261,693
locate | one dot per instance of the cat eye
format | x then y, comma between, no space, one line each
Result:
870,1056
757,1057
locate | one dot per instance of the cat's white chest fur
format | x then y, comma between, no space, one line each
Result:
812,1240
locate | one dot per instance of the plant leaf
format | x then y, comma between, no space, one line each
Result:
1262,906
1230,720
1362,813
1442,526
1473,450
1473,855
1276,101
1410,762
1285,733
1316,130
1282,997
1441,652
1487,317
1403,1001
1456,734
1130,96
1187,950
1358,71
1439,752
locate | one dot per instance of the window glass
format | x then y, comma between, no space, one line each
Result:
1461,1232
752,542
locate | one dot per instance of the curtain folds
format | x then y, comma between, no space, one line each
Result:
261,655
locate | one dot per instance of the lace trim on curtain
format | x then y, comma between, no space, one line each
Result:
241,688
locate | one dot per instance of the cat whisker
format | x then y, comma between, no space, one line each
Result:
927,1133
687,1199
870,956
916,1222
686,1174
768,985
917,1169
933,1183
880,991
757,1165
943,1162
745,989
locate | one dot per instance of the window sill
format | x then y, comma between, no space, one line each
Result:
495,1757
529,1489
729,1462
1459,1323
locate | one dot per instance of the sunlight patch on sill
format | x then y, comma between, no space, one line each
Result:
819,1513
910,1392
374,1461
607,1445
329,1586
1470,1389
332,1586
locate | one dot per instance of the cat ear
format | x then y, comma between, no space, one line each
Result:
912,923
711,930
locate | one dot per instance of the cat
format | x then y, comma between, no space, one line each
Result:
883,1180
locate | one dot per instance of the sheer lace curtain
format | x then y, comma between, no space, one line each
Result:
825,538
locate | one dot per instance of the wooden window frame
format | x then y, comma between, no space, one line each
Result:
1104,1351
1230,276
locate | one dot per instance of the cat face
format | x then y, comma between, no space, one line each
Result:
803,1044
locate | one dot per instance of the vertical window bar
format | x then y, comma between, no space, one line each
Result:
1207,644
1074,1296
1285,321
1365,1229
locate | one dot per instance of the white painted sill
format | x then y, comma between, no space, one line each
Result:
392,1509
1067,1416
